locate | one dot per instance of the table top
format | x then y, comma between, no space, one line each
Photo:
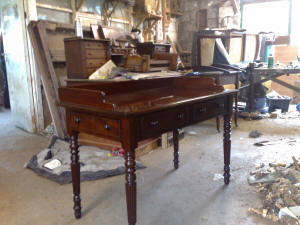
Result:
136,97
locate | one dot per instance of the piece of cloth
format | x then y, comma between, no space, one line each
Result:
94,163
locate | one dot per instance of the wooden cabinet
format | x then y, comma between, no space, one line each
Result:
84,56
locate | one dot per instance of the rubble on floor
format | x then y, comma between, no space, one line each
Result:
279,185
49,131
278,141
255,134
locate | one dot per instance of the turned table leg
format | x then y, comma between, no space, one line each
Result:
130,185
75,169
227,146
176,144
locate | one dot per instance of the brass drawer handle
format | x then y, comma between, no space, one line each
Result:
154,123
202,110
180,116
77,120
107,127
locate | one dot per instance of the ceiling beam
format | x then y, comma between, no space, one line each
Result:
259,1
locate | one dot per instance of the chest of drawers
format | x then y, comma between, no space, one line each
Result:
84,56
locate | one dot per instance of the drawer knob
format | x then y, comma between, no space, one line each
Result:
180,116
77,120
202,110
154,123
107,127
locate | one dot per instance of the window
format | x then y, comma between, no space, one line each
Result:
267,16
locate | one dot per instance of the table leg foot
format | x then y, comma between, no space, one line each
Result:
227,148
176,147
226,174
75,169
77,207
130,186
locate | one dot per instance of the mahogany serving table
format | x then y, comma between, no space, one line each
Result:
132,111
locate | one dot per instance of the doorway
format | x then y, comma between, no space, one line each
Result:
4,94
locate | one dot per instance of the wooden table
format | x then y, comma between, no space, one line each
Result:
132,111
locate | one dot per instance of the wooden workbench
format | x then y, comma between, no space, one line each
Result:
261,75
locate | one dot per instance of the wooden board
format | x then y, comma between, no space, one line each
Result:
48,77
285,54
207,51
235,49
249,47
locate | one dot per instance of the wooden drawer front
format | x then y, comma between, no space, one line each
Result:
158,123
95,45
84,122
208,109
95,54
95,63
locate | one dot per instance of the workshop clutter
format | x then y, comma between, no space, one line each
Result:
276,101
279,183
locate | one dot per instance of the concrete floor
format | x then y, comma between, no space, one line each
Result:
188,196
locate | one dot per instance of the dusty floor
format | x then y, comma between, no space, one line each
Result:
188,196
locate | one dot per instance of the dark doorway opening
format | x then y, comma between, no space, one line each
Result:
4,94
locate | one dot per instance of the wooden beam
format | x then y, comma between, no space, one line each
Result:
286,85
73,6
163,9
236,6
259,1
141,21
79,5
52,7
172,44
175,50
46,70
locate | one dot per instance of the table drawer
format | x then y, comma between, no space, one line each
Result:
95,45
84,122
158,123
95,63
205,110
95,53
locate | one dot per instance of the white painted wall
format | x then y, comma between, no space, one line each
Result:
19,75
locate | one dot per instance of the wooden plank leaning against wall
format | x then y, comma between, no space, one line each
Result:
48,76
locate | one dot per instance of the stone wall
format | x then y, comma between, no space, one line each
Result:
219,15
